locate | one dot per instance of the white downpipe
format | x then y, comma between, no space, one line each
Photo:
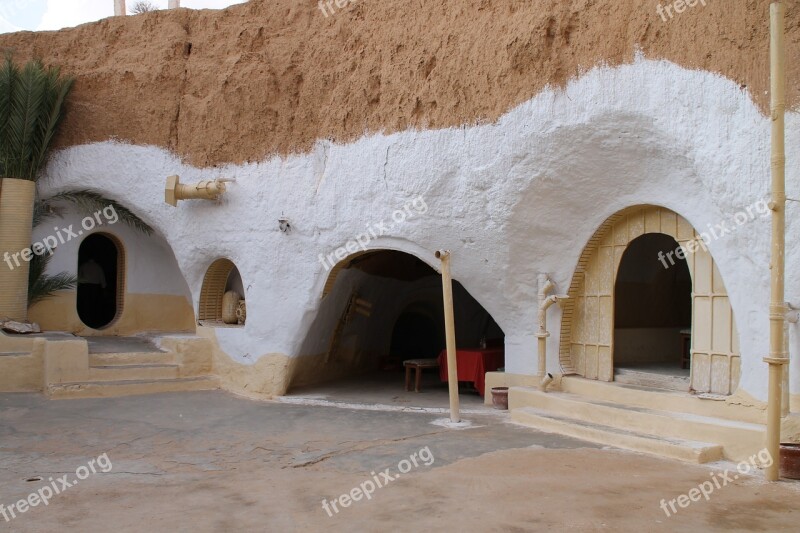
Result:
545,301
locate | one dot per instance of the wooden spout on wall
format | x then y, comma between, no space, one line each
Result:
203,190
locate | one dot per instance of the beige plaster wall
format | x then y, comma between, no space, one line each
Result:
267,378
140,313
21,364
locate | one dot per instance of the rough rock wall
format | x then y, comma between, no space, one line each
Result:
273,76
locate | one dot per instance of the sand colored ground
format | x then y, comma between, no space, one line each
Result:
213,462
274,76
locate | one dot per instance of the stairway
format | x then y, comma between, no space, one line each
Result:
124,367
654,421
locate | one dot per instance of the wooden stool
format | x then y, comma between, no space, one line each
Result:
418,365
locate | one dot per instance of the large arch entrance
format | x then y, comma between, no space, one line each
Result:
100,280
592,344
379,309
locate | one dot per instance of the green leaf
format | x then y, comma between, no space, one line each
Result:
88,202
31,106
41,286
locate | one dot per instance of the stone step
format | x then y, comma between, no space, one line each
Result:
109,389
132,358
122,372
636,396
684,450
639,378
739,439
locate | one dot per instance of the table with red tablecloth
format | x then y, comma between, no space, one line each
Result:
473,364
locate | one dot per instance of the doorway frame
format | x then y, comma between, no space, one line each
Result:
587,328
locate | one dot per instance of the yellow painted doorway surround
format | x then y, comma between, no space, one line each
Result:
587,330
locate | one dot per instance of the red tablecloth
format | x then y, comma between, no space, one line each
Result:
473,365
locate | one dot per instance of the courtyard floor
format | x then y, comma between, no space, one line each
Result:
210,461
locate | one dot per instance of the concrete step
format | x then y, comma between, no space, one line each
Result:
652,380
132,358
737,438
109,389
121,372
684,450
650,398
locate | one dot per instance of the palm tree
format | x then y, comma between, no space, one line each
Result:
31,107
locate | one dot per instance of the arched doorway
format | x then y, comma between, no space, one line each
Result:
100,279
587,346
652,308
380,308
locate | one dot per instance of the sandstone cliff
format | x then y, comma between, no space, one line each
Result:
273,76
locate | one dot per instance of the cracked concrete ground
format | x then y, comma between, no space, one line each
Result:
209,461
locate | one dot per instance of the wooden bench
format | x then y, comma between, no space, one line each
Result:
418,365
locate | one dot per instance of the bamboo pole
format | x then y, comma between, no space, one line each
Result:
450,335
778,309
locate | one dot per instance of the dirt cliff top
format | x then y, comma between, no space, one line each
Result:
273,76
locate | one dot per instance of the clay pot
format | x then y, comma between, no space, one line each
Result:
500,397
230,301
790,460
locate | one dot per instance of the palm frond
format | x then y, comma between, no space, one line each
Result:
41,286
58,88
88,201
31,106
27,98
44,208
8,73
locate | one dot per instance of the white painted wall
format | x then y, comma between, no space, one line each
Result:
509,199
151,267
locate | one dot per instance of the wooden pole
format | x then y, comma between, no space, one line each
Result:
174,4
119,8
778,309
450,335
